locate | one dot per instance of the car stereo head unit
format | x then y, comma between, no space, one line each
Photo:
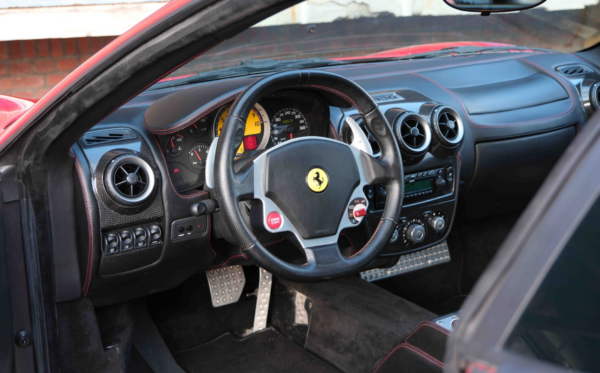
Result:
426,183
420,186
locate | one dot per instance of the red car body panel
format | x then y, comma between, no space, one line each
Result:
424,48
61,88
11,108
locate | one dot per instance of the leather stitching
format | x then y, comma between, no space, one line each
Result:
195,118
414,349
368,242
511,124
422,325
434,68
90,258
169,176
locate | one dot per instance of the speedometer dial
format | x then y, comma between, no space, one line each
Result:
288,124
258,128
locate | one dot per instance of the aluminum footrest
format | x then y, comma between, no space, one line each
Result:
434,255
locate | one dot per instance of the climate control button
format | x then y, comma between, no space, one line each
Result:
415,233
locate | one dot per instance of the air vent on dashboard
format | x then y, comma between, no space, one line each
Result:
448,131
129,179
573,70
413,133
107,135
348,137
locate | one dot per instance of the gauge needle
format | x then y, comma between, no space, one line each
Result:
291,136
173,145
198,155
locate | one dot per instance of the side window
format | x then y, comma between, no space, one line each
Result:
561,325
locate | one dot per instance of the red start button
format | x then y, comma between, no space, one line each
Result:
274,220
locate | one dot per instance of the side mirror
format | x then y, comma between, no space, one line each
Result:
493,6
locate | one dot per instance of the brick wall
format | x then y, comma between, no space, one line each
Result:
30,68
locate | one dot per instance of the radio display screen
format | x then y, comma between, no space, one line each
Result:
418,186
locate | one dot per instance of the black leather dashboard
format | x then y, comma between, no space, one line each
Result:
507,101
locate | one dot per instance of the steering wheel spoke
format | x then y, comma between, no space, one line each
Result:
311,187
244,183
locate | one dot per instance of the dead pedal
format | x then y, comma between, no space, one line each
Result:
226,285
435,255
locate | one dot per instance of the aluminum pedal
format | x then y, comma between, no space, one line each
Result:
226,285
434,255
300,314
263,295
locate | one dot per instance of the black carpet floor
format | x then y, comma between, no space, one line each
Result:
186,318
267,351
443,288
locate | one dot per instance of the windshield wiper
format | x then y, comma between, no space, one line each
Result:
250,67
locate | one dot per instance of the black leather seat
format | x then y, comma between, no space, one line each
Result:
422,351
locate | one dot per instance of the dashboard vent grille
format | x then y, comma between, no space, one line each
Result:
130,180
374,144
412,133
448,126
573,70
108,135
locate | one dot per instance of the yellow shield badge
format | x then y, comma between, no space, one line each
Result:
317,180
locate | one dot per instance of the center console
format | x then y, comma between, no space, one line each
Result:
429,136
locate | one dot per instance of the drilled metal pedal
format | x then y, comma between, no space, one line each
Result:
434,255
300,314
226,285
263,295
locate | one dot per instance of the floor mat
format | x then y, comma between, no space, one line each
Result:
267,351
186,318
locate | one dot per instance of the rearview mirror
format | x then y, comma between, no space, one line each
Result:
489,6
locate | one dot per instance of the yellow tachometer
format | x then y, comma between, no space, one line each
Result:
256,125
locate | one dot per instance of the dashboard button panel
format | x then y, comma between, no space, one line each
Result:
188,228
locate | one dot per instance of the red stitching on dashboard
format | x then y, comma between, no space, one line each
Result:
512,124
198,116
414,349
90,259
209,234
434,68
224,264
273,243
169,176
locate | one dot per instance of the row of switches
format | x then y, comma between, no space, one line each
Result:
130,239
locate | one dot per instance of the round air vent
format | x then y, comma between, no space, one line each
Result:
413,133
447,126
129,180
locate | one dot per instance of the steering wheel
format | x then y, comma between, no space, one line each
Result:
312,186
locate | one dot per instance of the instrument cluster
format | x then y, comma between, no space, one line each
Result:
272,121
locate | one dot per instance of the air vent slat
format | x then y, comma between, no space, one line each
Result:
109,135
574,70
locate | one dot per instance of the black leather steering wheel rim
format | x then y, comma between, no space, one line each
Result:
232,187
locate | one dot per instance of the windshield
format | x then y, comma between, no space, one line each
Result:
325,32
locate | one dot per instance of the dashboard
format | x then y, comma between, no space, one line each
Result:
481,146
273,120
